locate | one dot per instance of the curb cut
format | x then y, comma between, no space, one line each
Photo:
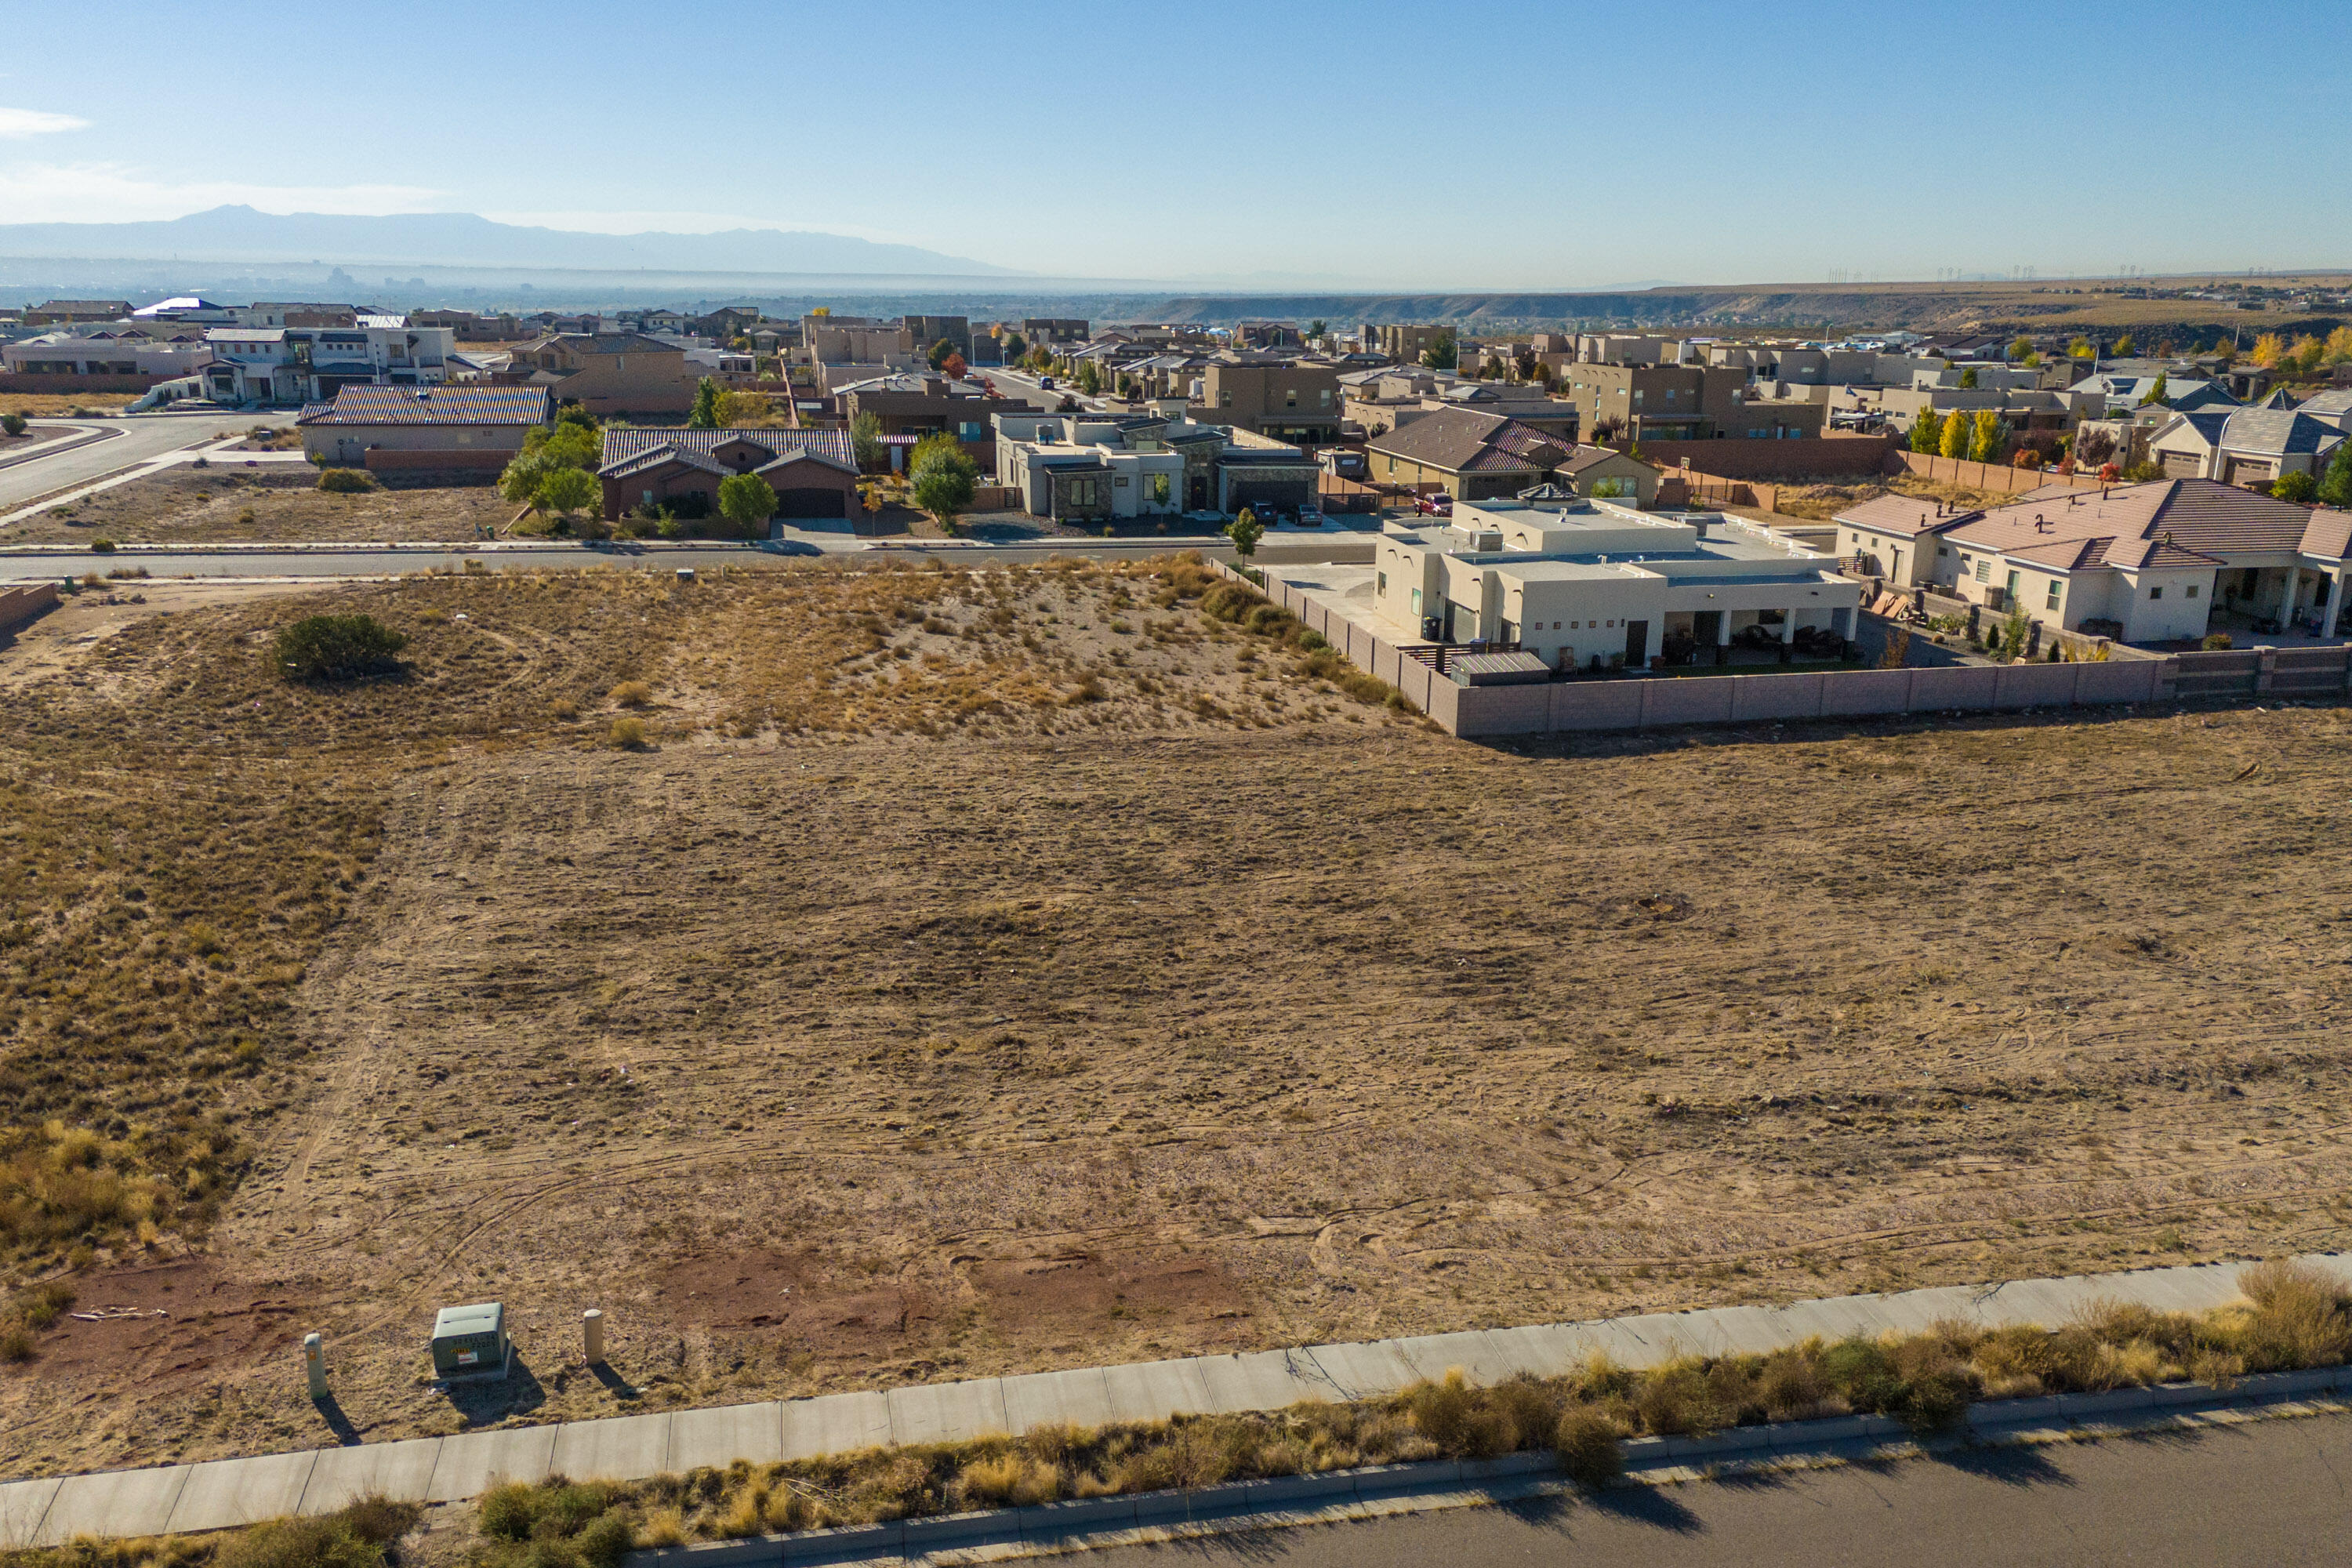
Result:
1299,1499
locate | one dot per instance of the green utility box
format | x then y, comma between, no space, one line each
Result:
471,1341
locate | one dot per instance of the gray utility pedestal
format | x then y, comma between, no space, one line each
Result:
471,1343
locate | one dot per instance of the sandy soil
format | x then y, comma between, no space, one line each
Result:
821,1059
49,403
195,505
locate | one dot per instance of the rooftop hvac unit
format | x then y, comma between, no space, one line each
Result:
471,1343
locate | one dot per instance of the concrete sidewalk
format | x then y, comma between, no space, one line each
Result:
224,1492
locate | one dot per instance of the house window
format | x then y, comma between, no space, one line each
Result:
1160,488
1984,571
1290,399
1942,551
2155,593
1224,400
2190,593
1416,601
1384,584
2050,601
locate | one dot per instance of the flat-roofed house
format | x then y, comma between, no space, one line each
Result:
1584,585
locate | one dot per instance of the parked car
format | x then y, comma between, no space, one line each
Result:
1310,516
1046,384
1438,505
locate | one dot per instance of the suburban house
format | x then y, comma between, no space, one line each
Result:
1470,454
468,426
1595,584
909,404
1405,344
813,472
108,354
1091,466
66,313
2160,562
1047,330
849,340
1684,403
1290,399
607,374
2244,446
918,335
310,365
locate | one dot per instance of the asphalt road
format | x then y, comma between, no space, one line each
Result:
2270,1493
21,565
130,441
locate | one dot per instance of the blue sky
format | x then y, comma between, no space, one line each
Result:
1464,144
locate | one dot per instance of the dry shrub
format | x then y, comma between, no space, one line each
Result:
1591,1450
1678,1400
1010,1479
1789,1385
2015,1362
628,734
2301,1316
631,694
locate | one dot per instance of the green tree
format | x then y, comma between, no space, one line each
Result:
1927,432
747,502
2335,484
2121,348
1315,329
1245,530
2032,357
337,647
2157,393
1014,347
1954,443
1968,379
2020,348
939,351
706,406
1443,353
2295,487
573,414
1089,377
943,477
567,490
865,441
1990,438
2081,349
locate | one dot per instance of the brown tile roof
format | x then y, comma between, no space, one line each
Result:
2167,522
1584,456
1902,514
2329,534
1470,440
432,406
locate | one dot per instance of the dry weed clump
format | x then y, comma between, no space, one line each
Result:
2294,1316
359,1535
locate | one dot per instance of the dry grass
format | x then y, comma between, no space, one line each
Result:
1926,1380
1820,502
880,1021
278,501
31,404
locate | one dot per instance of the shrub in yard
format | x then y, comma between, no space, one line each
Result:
2217,642
13,423
102,546
338,648
346,482
2295,487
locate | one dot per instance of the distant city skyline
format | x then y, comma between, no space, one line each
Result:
1376,145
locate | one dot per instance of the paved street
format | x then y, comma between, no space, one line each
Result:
141,439
2271,1493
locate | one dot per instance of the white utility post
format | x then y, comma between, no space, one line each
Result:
591,1337
314,1363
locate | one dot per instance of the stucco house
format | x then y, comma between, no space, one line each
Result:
2243,445
467,426
813,472
1583,583
2149,563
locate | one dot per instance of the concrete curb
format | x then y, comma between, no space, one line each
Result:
56,446
1648,1460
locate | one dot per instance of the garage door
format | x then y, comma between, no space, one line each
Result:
811,503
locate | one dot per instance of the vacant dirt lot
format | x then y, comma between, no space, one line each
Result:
268,502
911,1008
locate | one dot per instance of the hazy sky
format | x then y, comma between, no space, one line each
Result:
1461,144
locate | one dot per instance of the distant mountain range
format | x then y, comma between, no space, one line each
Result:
241,234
